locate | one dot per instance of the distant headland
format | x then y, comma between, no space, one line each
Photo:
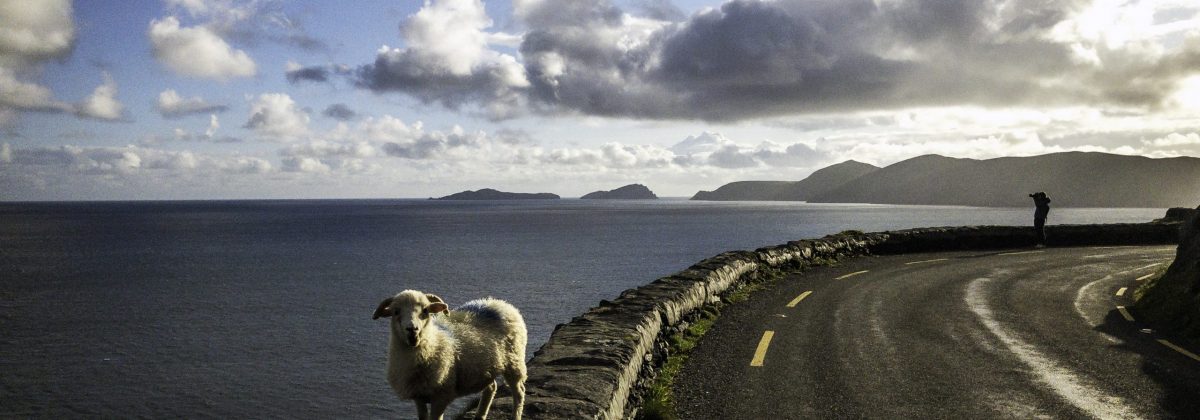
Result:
628,192
490,194
1073,179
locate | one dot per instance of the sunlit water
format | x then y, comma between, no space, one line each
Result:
263,308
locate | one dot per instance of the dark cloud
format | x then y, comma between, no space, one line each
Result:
752,59
433,145
413,73
318,74
339,112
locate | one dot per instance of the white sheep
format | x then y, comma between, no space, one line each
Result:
436,355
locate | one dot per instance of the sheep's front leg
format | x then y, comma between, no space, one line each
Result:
437,408
485,401
422,409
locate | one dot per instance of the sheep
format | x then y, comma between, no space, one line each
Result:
436,355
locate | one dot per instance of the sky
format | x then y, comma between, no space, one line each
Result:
225,99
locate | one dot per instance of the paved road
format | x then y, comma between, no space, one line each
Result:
1018,334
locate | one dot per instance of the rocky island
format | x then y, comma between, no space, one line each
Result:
628,192
490,194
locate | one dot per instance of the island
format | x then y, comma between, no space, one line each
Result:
628,192
491,194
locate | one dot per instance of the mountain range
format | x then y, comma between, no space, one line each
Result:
1071,179
820,182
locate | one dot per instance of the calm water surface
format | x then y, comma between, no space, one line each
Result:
263,308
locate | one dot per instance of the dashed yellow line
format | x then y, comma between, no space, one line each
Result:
1121,291
851,274
761,352
1181,350
926,261
797,300
1125,313
1145,277
1148,266
1022,253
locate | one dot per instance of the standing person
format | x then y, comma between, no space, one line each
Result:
1042,202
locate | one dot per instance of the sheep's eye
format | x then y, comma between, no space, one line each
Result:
424,313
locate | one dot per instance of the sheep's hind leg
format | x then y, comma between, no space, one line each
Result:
515,378
485,401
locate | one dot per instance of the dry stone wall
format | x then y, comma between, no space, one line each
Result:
597,365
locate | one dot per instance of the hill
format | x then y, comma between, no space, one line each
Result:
628,192
821,181
1072,179
490,194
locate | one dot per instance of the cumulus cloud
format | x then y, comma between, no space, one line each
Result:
447,61
26,96
102,104
751,59
197,51
171,105
32,33
275,115
35,31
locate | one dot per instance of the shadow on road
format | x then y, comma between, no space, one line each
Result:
1178,376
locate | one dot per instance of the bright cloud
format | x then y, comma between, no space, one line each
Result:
276,115
197,51
102,104
447,61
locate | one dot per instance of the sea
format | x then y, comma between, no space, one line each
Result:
262,309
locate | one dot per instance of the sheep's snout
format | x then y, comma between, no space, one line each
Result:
412,335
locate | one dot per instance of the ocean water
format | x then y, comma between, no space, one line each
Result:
263,308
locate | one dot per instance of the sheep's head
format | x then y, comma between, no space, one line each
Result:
411,312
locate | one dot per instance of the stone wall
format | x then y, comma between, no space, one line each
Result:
597,365
1172,303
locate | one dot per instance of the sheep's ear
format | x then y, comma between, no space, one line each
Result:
436,299
382,311
436,307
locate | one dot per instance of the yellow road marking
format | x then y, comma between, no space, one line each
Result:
761,353
1121,291
1022,252
1145,277
1181,350
1125,313
1148,266
797,300
852,274
926,261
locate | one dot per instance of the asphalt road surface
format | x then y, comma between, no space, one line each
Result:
1017,334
